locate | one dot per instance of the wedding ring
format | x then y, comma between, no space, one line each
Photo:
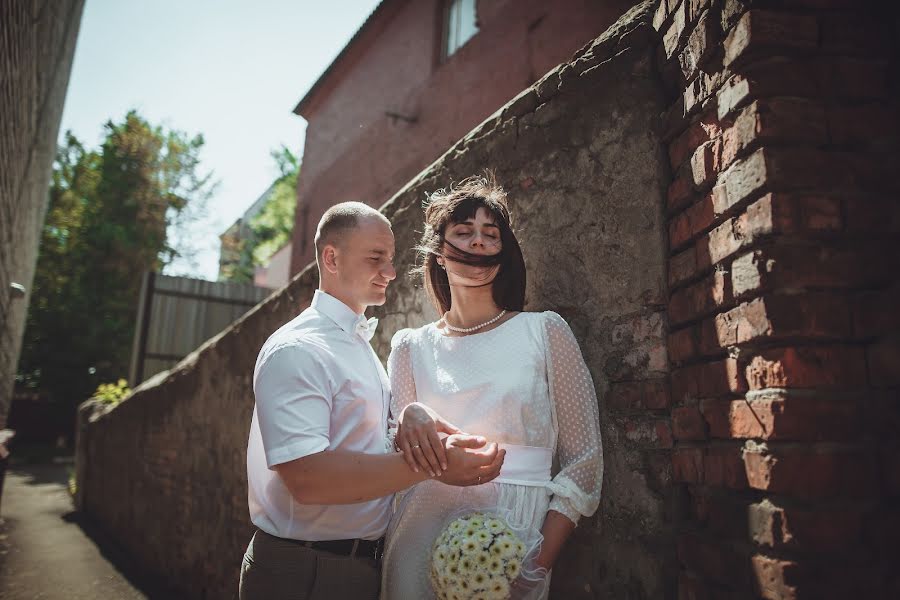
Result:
416,446
479,479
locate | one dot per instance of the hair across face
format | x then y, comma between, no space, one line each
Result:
461,204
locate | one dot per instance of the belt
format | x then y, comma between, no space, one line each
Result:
353,548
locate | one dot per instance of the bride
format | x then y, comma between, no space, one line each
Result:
489,369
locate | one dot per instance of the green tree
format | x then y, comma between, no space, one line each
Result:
271,228
111,216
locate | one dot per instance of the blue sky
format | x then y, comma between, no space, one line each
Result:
231,70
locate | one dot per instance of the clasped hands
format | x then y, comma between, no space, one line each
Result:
457,459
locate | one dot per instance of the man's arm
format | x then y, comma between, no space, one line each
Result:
343,477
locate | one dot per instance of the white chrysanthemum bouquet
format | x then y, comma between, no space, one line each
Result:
476,556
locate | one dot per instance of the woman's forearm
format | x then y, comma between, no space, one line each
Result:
556,530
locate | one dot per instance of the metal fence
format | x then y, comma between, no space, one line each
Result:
177,314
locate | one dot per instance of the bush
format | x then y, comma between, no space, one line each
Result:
112,393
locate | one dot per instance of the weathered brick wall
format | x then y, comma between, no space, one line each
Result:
37,42
783,220
581,156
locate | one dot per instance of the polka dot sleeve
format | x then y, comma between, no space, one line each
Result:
400,372
576,487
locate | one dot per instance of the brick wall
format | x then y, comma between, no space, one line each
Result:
783,221
355,151
37,42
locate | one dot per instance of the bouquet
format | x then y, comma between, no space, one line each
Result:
480,555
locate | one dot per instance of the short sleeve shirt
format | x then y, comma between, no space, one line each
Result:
318,386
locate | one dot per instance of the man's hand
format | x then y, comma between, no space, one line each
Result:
471,460
417,437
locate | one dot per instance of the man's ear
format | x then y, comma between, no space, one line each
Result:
329,258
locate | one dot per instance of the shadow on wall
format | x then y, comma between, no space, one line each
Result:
581,159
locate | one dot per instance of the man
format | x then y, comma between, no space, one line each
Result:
319,466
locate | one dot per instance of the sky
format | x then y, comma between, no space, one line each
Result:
228,69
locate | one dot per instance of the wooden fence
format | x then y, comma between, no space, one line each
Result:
177,314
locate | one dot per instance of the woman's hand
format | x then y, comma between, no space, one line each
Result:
417,437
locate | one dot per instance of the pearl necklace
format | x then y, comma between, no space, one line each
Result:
471,329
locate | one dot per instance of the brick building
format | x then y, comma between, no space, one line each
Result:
37,44
415,78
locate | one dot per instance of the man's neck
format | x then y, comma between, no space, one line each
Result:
357,307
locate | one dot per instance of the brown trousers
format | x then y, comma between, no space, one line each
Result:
277,569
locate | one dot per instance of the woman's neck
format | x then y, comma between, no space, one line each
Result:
471,306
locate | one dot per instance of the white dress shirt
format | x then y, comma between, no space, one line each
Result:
319,386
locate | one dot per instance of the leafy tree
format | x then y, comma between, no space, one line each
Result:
112,213
271,228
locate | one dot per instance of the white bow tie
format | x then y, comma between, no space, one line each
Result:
366,329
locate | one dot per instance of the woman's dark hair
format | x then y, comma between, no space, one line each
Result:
455,205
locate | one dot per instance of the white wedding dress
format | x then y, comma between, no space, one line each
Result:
523,384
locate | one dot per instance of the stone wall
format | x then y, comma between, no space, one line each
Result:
579,153
37,42
783,221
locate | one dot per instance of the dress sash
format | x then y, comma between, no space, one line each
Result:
526,465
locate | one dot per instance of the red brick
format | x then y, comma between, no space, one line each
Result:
701,89
683,344
852,78
884,359
807,367
696,219
779,76
790,527
763,32
801,266
692,588
683,266
687,465
876,312
707,380
701,44
648,433
705,127
713,560
688,424
791,120
774,577
777,416
873,215
679,230
869,125
724,467
679,194
675,33
814,315
853,33
720,514
700,299
810,473
703,165
651,394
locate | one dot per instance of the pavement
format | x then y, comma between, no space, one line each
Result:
50,552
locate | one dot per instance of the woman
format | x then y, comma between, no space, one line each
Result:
489,369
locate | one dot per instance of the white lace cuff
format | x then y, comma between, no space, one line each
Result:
564,507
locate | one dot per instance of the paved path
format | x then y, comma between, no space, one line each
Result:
48,552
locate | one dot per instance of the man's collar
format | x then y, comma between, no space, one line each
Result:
336,310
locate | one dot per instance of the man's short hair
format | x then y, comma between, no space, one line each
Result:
339,219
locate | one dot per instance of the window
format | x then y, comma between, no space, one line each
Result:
460,26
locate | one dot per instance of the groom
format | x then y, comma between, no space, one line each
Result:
320,470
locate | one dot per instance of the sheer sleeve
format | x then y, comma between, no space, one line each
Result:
576,487
400,372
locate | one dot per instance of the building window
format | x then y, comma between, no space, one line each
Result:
461,24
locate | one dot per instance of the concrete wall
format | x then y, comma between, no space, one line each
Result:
164,471
355,151
37,42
